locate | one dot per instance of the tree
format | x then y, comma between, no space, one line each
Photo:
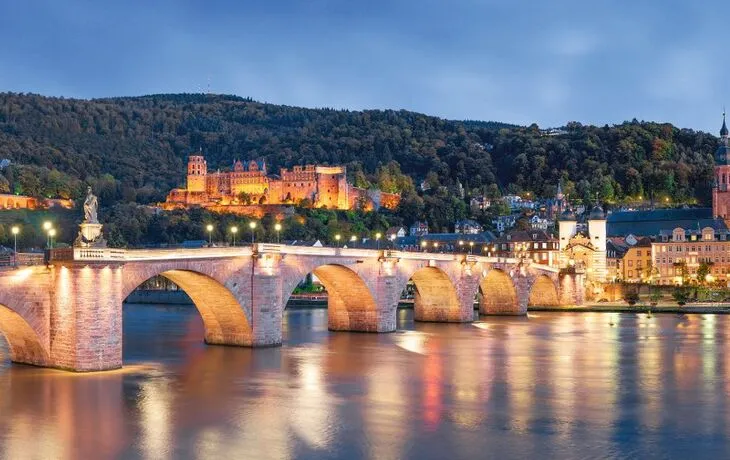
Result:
245,198
29,183
703,271
655,295
632,296
681,295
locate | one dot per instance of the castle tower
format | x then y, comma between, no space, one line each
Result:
720,192
197,170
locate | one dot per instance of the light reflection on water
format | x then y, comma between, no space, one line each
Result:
553,385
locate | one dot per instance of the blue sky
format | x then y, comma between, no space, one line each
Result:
515,61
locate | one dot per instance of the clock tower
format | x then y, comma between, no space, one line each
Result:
721,187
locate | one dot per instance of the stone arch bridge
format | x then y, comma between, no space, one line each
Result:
67,313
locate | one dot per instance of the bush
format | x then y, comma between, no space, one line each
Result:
632,297
655,295
681,295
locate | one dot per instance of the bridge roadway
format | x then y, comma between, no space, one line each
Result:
67,313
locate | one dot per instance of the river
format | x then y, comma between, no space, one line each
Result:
551,385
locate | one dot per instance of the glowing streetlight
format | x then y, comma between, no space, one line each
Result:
209,228
46,227
377,238
435,245
234,230
337,238
277,227
423,245
252,226
461,244
15,230
51,235
471,246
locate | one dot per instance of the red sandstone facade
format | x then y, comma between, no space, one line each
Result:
249,185
68,313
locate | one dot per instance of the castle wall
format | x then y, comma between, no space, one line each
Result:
324,186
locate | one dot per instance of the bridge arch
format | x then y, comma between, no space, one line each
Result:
224,318
543,292
436,298
499,295
350,303
24,343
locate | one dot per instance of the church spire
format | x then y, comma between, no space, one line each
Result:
724,131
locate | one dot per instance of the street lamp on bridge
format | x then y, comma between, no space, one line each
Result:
423,245
337,238
209,228
252,226
377,238
47,225
277,227
51,235
15,230
234,230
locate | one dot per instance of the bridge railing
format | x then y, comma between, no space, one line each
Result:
130,255
9,259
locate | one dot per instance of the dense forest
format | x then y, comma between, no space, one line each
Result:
133,150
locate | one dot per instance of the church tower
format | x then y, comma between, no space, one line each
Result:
720,189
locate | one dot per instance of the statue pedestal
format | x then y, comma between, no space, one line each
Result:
90,236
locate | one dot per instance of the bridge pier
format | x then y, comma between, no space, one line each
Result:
86,317
267,309
572,289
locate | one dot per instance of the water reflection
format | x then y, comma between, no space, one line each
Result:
551,385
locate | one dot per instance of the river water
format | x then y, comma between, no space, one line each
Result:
552,385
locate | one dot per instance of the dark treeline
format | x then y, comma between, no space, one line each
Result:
133,150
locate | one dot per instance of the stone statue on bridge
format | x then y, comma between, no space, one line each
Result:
91,205
90,235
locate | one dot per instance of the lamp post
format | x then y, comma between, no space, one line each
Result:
353,240
47,227
234,230
209,228
252,226
461,245
435,246
423,246
15,230
471,246
337,238
51,234
377,239
277,227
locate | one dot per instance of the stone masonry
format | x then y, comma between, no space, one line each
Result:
68,314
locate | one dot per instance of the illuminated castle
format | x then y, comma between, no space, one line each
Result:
248,184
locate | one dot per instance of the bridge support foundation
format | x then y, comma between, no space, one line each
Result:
86,317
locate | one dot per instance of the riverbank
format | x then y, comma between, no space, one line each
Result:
623,308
